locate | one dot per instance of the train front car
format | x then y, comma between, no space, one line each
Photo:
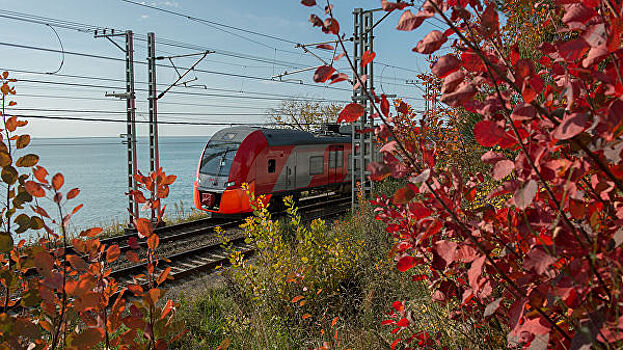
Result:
224,166
274,162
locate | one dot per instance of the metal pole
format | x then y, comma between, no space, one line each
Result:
131,122
154,163
362,145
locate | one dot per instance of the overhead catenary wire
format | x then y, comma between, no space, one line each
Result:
108,99
187,93
64,110
89,28
166,122
117,59
205,21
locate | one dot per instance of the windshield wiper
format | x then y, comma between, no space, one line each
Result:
220,165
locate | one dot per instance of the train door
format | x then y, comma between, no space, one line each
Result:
336,163
290,170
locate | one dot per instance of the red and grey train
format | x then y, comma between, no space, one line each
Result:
274,162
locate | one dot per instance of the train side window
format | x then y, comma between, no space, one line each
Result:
272,165
316,165
340,159
350,161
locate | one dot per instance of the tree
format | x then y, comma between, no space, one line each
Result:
545,266
304,115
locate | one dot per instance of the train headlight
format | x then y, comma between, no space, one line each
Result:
231,183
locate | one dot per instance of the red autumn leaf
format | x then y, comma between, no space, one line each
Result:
573,49
323,73
112,253
492,307
359,82
475,271
337,57
73,193
403,108
489,22
135,288
41,174
596,35
523,112
57,181
169,179
88,338
144,227
577,13
472,62
167,308
297,298
538,260
378,171
403,195
308,2
315,20
527,92
398,306
452,81
77,262
331,26
133,243
163,275
351,113
403,322
384,105
34,189
367,57
446,250
131,256
335,78
445,65
405,263
325,47
431,43
408,21
595,55
153,241
75,210
37,209
92,232
577,209
391,6
524,196
571,125
487,133
502,168
463,94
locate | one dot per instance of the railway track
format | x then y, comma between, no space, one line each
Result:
192,247
201,250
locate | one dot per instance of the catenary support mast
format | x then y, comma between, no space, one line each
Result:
154,157
362,143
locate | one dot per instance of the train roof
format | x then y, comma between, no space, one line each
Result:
279,137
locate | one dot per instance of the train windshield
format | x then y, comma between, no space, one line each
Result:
218,157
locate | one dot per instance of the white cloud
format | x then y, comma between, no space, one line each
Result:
144,16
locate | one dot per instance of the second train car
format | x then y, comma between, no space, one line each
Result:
274,162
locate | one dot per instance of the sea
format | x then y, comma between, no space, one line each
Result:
98,167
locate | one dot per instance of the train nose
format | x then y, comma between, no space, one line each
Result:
208,199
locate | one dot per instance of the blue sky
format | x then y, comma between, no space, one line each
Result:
285,19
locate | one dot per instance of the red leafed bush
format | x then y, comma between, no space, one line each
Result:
546,265
57,296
